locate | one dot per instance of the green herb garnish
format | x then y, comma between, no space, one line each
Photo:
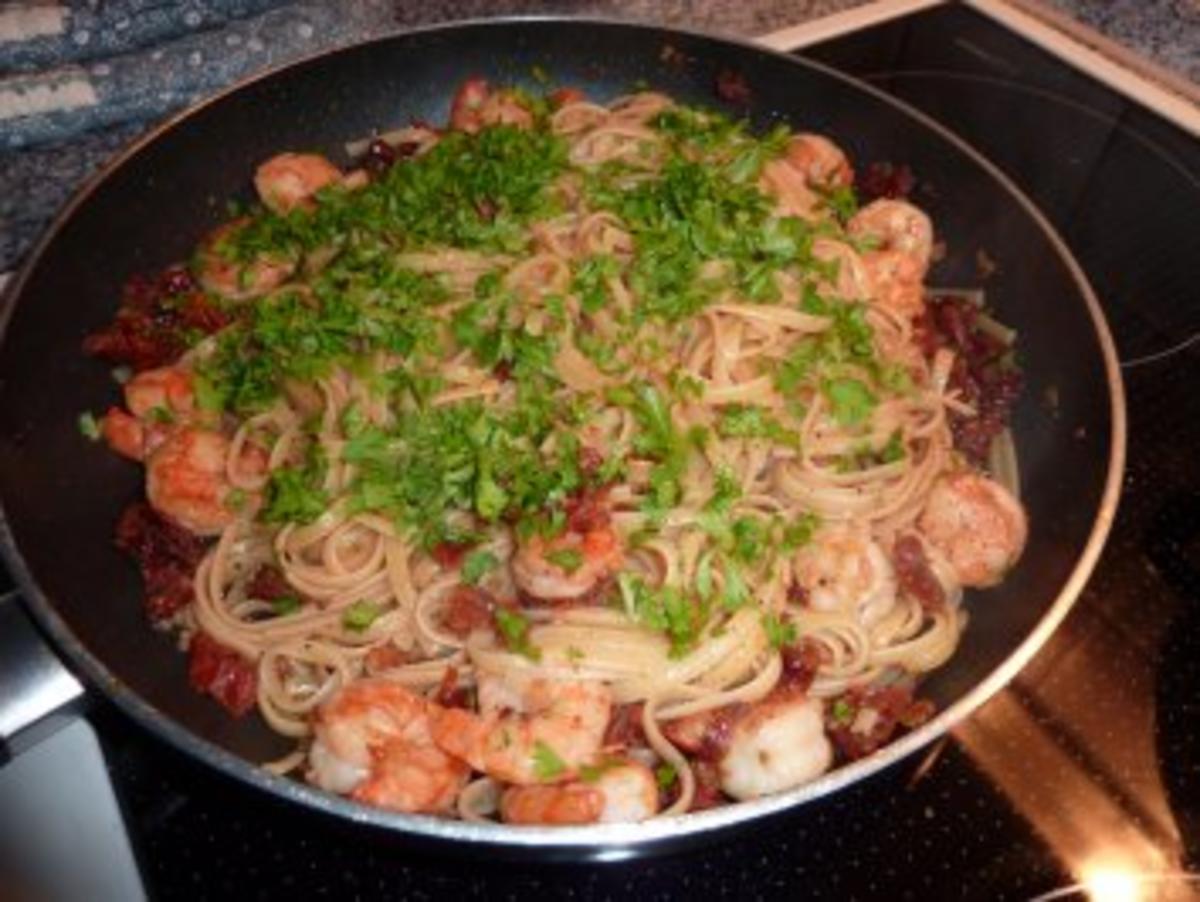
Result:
89,428
359,616
476,564
566,559
547,765
779,632
286,604
514,630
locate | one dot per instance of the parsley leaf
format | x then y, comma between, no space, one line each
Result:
89,428
359,616
664,608
477,564
566,559
293,496
738,421
800,532
547,765
285,604
779,632
842,712
850,401
514,629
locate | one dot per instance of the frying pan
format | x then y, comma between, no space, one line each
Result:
61,495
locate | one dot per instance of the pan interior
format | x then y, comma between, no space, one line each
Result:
62,494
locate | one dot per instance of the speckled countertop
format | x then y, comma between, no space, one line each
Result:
80,79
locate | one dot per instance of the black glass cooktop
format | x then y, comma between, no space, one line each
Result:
1086,769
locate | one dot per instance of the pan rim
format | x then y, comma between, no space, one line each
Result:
611,841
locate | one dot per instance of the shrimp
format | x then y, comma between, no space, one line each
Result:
778,744
529,730
165,392
568,566
843,568
895,280
850,278
289,181
155,398
905,243
505,108
186,481
622,792
124,433
976,524
811,164
218,271
467,103
821,162
897,226
789,189
373,742
476,106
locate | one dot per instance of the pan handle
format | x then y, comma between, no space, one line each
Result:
39,695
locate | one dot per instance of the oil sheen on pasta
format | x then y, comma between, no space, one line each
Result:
571,463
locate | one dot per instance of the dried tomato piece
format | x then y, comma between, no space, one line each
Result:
915,575
167,555
221,672
467,609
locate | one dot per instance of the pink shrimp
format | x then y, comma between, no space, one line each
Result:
821,162
529,729
186,481
569,566
373,742
289,181
621,792
977,525
157,399
812,164
477,106
166,391
897,264
218,271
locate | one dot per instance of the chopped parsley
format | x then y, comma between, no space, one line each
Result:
295,495
359,616
590,773
591,281
514,630
547,765
800,531
286,604
850,401
665,776
842,712
566,559
779,632
89,428
739,421
664,608
477,564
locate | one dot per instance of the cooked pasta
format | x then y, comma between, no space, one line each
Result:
578,462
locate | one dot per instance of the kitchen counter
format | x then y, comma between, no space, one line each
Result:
81,80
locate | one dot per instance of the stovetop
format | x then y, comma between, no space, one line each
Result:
1085,770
